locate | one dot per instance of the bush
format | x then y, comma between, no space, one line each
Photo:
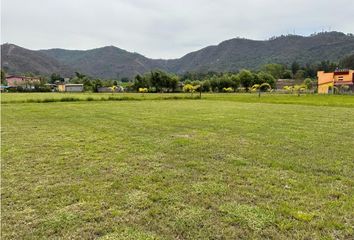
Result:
189,88
228,90
143,90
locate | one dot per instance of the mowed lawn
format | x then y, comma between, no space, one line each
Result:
177,169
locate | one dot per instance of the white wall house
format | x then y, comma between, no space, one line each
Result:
71,87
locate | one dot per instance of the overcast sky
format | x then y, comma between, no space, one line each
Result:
164,28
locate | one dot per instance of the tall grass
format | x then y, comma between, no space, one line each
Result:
109,98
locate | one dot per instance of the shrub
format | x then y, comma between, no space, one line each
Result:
344,88
288,89
188,88
228,90
143,90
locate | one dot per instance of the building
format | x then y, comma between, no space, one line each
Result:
26,82
338,78
3,88
69,87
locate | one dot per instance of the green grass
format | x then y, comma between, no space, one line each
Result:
76,97
224,167
310,99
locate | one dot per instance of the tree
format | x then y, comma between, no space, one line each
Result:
96,84
141,82
3,77
261,87
347,62
214,83
189,88
266,78
80,75
173,83
156,81
163,81
310,70
236,81
308,83
327,66
124,79
87,84
206,86
188,81
276,70
55,77
287,74
246,79
300,74
29,74
295,67
256,79
225,82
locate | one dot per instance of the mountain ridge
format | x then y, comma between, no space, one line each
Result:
229,55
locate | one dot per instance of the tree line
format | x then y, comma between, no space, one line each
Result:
160,81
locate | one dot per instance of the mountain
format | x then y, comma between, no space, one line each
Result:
106,62
18,60
230,55
235,54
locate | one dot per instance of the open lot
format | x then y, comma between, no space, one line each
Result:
228,166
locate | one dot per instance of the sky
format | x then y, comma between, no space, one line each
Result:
164,28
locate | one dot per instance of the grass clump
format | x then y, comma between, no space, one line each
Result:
69,99
129,233
253,217
209,188
190,223
59,221
303,216
138,199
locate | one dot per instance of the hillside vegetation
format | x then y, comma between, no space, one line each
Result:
230,55
17,60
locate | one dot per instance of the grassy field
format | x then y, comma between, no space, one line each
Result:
224,167
310,99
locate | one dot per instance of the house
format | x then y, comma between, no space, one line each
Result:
3,88
26,82
338,78
70,87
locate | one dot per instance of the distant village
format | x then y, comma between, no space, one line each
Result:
13,82
340,80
